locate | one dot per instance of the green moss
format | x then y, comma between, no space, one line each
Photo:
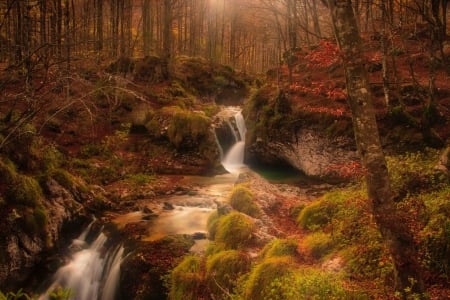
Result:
234,230
435,236
413,173
317,284
242,200
141,179
211,224
7,171
318,243
185,279
280,247
223,270
315,215
188,128
64,178
51,158
270,279
24,190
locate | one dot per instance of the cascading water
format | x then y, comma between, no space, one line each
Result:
92,272
233,161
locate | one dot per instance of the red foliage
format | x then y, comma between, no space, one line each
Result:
319,89
326,55
338,112
352,170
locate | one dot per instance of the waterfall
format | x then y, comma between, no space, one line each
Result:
234,159
92,272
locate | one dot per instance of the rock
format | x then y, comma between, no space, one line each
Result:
168,206
444,161
310,151
147,210
199,236
22,250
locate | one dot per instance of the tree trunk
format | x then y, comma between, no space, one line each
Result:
395,232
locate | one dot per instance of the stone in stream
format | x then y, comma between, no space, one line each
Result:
168,206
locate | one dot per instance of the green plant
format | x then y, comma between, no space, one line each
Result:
64,178
435,235
24,190
185,279
234,230
315,215
223,270
413,173
212,223
279,247
242,200
141,179
318,243
260,282
7,171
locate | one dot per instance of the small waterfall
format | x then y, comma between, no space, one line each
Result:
234,159
92,272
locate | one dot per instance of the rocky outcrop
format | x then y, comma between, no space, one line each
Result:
310,151
20,249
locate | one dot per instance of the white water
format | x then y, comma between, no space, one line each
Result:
233,161
92,272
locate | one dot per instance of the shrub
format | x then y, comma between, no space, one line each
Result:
234,230
242,200
279,247
185,279
24,190
223,270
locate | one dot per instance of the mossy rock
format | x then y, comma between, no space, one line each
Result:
7,171
24,190
318,243
242,200
234,230
64,178
144,271
34,220
315,215
280,247
187,129
223,271
259,284
186,279
211,224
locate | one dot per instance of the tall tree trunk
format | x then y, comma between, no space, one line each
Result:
395,232
99,23
167,37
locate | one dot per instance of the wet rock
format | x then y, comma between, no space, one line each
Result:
142,271
147,210
168,206
22,250
309,151
199,236
149,217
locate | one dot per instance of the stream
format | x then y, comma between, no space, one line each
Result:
92,270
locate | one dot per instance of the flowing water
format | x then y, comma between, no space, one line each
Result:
93,270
